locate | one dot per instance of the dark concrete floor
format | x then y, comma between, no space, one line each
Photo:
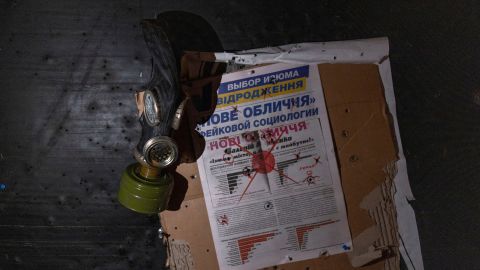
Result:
67,117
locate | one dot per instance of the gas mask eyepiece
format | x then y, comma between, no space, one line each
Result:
152,109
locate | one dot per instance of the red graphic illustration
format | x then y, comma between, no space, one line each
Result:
263,162
247,171
310,178
228,158
222,220
247,244
268,136
304,230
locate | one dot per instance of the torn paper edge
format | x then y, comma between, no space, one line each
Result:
355,51
375,50
407,224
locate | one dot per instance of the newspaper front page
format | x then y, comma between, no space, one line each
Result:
269,172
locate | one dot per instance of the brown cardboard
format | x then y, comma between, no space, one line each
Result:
365,146
190,223
361,129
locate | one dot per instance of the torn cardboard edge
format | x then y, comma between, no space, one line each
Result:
379,205
179,255
399,188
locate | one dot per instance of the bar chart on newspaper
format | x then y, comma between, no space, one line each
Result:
269,172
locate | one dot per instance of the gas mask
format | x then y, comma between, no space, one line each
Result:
146,186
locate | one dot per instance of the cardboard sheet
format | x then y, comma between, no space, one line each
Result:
361,110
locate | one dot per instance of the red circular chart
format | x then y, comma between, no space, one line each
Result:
263,162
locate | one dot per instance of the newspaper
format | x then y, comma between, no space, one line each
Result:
269,172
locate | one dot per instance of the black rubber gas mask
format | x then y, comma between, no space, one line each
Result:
160,101
170,106
146,186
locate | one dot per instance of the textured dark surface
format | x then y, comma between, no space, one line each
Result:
67,117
